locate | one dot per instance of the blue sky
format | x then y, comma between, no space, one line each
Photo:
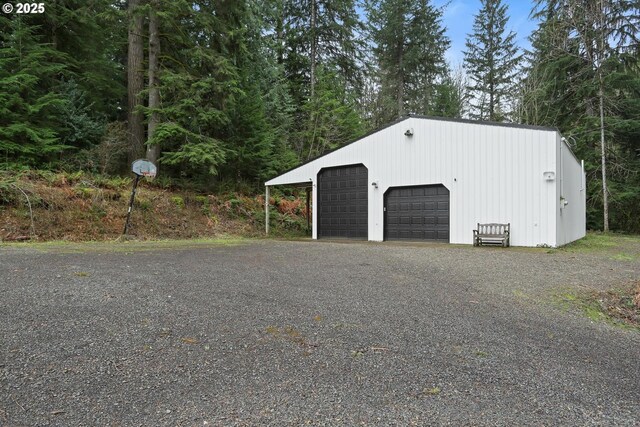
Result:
458,18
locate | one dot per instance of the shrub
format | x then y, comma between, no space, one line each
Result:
178,201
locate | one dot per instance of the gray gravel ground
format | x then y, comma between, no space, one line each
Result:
318,333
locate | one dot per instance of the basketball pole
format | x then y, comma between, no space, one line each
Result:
133,195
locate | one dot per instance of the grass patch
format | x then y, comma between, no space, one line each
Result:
127,245
618,307
616,246
593,241
623,257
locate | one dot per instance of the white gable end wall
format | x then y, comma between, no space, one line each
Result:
493,173
571,187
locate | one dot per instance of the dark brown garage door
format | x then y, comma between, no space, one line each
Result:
342,202
417,213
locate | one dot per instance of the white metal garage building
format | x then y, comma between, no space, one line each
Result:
434,179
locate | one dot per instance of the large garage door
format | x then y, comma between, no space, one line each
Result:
342,202
417,213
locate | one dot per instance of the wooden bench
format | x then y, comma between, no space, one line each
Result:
491,234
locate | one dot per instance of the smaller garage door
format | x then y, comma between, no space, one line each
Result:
417,213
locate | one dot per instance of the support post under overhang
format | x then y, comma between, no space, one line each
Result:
266,210
308,209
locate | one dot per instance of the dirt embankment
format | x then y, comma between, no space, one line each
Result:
45,206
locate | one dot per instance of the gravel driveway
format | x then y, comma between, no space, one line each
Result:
309,333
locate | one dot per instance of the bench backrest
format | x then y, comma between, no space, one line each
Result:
493,229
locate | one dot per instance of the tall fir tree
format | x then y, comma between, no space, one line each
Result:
68,80
325,33
491,61
583,77
332,116
197,80
321,38
259,132
135,78
409,44
30,121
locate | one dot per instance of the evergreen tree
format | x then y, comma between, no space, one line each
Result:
583,77
409,44
92,35
197,81
240,91
426,49
450,95
62,80
333,118
323,33
153,150
259,132
135,79
30,98
491,60
321,38
81,127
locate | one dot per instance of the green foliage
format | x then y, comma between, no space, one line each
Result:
250,89
561,89
491,59
107,157
450,96
7,194
409,45
614,306
178,201
91,35
194,152
79,127
29,100
52,76
251,139
332,118
335,32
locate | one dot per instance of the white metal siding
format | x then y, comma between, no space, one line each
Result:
571,183
493,173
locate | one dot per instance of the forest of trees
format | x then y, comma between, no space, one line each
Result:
236,91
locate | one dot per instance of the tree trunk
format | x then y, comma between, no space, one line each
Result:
153,150
279,28
400,94
492,107
314,46
135,81
602,45
605,195
54,29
